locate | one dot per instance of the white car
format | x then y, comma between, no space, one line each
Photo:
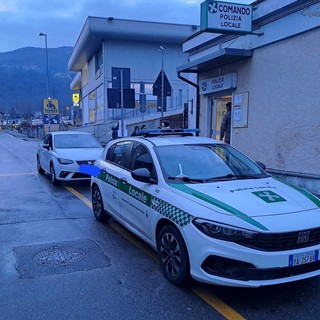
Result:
67,122
208,210
36,123
62,152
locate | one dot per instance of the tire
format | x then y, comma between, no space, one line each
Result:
39,168
54,180
173,255
97,205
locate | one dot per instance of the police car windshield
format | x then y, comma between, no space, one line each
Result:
204,163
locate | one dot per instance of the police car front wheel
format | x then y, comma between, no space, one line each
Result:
173,255
97,205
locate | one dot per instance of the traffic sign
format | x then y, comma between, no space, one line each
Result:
50,106
76,97
116,78
114,98
158,84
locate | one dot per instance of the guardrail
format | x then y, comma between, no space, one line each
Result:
36,132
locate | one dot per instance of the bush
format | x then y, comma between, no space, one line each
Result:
23,124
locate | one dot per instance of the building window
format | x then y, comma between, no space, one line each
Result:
151,100
99,104
92,106
180,98
99,63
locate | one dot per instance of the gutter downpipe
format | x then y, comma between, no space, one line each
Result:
197,99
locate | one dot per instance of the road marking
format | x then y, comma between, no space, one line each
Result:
216,303
204,294
80,196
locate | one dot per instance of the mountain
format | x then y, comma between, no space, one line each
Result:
23,79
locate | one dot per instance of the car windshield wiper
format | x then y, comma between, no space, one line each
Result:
247,176
187,179
231,176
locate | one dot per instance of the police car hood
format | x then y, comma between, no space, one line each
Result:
254,197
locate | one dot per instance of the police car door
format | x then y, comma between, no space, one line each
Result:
136,195
113,171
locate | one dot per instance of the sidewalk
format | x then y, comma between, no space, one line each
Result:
16,134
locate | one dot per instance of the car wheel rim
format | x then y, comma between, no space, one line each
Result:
97,202
170,254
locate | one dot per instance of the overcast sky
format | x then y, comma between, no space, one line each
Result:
21,21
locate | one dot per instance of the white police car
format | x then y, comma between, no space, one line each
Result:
208,210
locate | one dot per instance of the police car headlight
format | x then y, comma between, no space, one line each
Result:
223,232
64,161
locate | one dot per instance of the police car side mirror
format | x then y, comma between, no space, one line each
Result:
143,175
46,146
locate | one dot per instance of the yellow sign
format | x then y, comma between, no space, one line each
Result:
75,97
50,106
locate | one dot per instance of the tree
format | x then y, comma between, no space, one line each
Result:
12,113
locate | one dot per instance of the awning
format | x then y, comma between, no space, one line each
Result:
214,60
76,82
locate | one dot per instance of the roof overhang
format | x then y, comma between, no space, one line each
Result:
214,60
97,30
76,82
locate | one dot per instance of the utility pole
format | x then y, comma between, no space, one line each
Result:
48,86
162,82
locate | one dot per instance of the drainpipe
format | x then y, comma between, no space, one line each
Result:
197,99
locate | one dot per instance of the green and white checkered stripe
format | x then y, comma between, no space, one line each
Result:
175,214
164,208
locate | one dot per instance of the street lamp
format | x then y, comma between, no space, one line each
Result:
47,67
162,82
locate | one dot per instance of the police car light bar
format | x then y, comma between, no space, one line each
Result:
162,132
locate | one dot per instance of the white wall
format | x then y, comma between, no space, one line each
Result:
284,103
143,58
145,62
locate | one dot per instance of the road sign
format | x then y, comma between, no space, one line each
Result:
166,86
114,98
116,78
76,97
51,106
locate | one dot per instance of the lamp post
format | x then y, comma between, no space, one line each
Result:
41,34
162,81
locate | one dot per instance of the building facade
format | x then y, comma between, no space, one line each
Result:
271,76
140,49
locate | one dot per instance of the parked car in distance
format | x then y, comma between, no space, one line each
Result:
36,123
208,210
61,153
67,122
24,124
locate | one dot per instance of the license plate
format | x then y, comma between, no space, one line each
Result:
303,258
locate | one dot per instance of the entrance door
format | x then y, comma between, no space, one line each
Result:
218,110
